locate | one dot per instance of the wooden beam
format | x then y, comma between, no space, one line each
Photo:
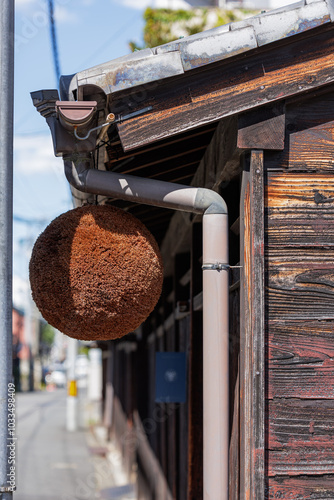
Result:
252,347
262,129
267,75
219,164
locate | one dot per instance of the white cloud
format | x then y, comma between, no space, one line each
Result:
63,15
38,10
23,3
34,154
158,4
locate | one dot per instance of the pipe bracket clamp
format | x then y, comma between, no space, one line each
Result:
218,266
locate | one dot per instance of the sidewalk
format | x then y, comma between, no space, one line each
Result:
112,482
53,464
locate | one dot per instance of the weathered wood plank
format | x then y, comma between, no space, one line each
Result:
263,128
311,380
234,328
300,488
311,149
302,228
245,341
301,191
301,437
252,394
304,291
308,136
298,343
300,359
232,87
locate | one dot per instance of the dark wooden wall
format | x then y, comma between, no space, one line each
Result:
299,330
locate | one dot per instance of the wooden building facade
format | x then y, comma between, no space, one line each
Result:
248,111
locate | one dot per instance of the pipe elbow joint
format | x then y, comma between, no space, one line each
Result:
76,170
210,202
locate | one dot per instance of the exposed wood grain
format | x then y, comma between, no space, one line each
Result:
300,342
257,318
303,228
234,332
303,291
301,437
245,340
308,136
252,363
294,257
262,129
228,88
300,359
299,191
300,488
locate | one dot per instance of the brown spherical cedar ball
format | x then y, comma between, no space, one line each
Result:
96,273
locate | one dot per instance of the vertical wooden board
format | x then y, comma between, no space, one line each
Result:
171,428
234,394
184,337
252,364
245,334
195,375
162,424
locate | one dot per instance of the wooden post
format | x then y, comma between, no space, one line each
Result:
252,367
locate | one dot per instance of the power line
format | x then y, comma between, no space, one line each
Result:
24,220
107,42
54,40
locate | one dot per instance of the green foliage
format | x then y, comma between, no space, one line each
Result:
83,349
158,24
166,25
48,334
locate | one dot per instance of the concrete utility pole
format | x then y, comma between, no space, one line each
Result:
6,214
72,391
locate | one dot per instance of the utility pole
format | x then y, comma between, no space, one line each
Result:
7,452
72,391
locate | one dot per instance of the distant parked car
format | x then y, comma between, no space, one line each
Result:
57,376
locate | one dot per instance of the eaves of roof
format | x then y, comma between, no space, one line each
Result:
183,55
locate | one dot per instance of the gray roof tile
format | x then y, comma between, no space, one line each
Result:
127,72
150,65
276,25
203,51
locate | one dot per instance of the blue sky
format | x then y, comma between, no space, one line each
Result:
89,32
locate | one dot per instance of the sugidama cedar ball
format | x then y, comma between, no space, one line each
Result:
96,273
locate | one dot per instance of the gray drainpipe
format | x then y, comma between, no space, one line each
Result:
7,427
215,296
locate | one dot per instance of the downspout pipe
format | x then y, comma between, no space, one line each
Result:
7,392
215,296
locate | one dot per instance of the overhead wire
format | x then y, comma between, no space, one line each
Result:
53,36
